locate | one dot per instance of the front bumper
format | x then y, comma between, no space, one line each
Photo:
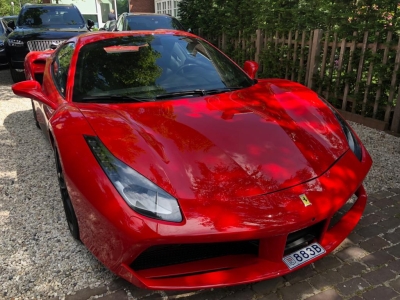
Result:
242,268
119,237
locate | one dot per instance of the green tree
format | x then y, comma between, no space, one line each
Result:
122,6
5,8
343,16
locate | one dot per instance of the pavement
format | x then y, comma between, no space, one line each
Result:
365,266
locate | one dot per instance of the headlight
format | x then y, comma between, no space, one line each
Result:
351,139
15,43
142,195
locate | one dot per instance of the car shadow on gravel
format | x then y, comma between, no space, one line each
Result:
39,256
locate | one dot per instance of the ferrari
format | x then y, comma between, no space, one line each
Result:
178,169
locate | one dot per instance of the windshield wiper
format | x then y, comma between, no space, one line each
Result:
177,94
221,90
196,92
112,99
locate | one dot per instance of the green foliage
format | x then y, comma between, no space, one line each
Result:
5,8
122,6
342,16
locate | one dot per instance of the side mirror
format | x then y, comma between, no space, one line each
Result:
251,68
11,24
90,23
32,89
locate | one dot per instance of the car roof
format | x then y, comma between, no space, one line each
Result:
95,36
148,14
48,4
9,17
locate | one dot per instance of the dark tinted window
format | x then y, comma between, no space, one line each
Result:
152,22
2,26
60,66
50,16
149,65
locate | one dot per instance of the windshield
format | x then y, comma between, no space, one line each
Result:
151,22
150,66
51,16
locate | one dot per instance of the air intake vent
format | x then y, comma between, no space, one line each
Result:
165,255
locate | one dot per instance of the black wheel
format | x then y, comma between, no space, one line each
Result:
34,115
68,208
17,76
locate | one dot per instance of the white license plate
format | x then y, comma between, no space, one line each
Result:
303,255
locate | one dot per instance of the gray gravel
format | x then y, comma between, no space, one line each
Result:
38,257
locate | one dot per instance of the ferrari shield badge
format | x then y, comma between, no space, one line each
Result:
305,200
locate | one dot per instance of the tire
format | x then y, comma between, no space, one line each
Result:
68,207
34,115
17,76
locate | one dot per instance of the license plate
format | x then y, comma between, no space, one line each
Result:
303,255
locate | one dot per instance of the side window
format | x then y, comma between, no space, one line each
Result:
60,66
120,24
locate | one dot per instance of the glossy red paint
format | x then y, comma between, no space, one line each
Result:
35,62
251,68
237,162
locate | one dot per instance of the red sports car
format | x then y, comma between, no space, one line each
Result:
180,170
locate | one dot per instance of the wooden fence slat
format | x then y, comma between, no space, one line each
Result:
349,68
359,71
323,64
384,62
310,41
332,64
303,41
288,55
282,49
369,78
223,43
258,46
340,64
393,84
296,36
314,56
396,116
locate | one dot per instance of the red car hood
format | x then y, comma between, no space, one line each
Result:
258,140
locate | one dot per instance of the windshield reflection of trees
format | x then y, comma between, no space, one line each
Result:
32,16
119,72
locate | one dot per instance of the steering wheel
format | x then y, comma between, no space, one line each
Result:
185,67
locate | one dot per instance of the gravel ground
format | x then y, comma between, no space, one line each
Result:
39,258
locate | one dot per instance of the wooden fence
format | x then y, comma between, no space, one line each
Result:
358,74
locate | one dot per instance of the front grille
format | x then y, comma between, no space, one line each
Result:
41,45
166,255
299,239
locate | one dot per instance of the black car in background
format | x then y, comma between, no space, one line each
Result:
146,21
4,31
39,26
7,19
